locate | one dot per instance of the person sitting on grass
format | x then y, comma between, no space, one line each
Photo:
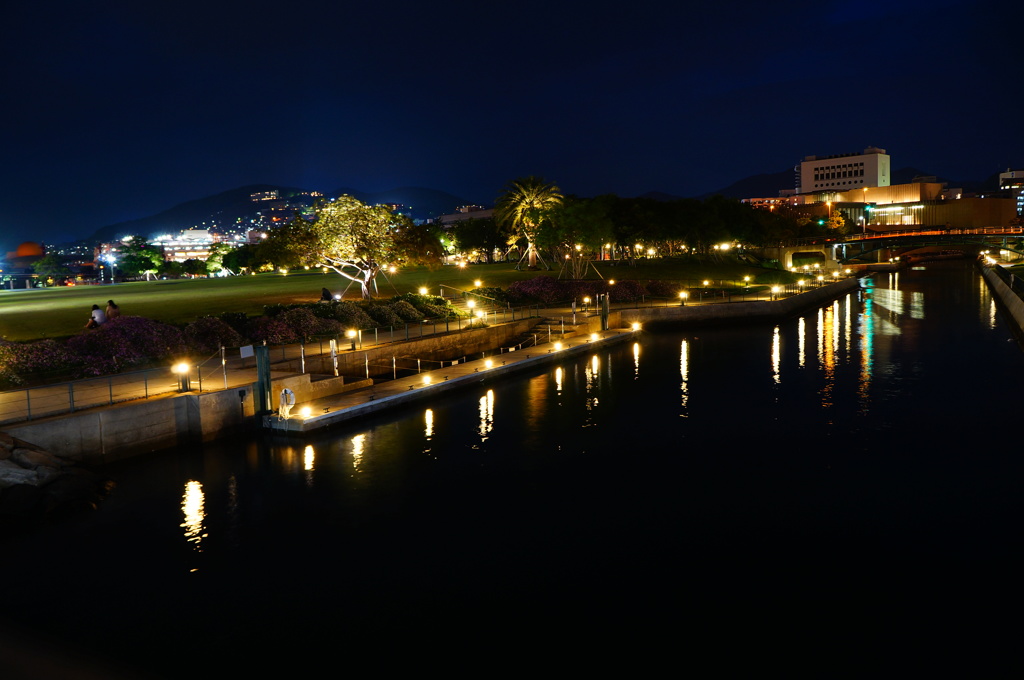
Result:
97,318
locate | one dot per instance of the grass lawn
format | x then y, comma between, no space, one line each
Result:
62,312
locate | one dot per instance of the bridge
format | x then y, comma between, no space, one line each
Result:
879,246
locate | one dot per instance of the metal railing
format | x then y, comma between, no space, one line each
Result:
224,368
39,402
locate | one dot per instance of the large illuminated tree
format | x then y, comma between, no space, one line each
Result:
523,206
355,240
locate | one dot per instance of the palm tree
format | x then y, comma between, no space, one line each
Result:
522,208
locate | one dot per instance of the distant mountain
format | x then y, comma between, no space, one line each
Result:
757,186
224,207
229,206
422,203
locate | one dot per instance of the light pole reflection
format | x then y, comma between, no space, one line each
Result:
684,374
776,355
192,502
486,415
358,446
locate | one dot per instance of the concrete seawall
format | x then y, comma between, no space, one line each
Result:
109,433
740,312
1010,300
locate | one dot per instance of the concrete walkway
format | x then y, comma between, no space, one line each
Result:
326,411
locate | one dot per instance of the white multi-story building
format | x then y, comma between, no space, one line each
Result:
843,172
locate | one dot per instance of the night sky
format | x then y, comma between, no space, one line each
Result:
118,110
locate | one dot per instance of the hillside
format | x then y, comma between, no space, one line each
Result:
227,207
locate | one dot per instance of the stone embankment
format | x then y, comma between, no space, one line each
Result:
35,483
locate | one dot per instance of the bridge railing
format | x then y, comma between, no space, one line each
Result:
891,233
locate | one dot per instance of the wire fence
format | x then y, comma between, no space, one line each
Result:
39,402
234,366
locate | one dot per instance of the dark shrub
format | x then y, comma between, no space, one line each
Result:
626,291
237,320
544,289
406,311
209,333
275,309
351,315
384,315
124,342
301,321
663,289
273,331
25,363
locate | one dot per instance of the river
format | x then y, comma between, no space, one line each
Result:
840,493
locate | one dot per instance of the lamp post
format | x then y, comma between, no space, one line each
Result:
181,370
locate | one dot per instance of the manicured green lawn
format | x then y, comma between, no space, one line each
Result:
62,312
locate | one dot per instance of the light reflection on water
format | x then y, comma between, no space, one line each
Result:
806,434
192,501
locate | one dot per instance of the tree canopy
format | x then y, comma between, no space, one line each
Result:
523,207
355,240
139,258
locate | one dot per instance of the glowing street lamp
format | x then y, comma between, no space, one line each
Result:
682,298
181,370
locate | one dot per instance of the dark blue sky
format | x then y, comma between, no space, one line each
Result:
118,110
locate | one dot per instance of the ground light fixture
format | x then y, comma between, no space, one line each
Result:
775,292
594,337
558,346
682,298
488,363
351,335
181,370
478,283
426,378
306,412
423,290
635,325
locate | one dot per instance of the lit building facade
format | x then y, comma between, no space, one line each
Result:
843,172
1013,181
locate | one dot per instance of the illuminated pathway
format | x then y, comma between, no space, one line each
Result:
334,409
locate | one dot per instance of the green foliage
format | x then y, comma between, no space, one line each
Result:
481,234
524,205
384,315
139,258
354,240
406,310
209,333
51,265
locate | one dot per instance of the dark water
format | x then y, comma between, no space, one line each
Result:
840,494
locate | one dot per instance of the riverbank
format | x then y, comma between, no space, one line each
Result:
102,435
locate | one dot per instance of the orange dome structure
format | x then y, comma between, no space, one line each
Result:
30,249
